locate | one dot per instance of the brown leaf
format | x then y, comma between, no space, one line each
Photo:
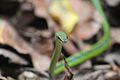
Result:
13,57
40,8
83,8
2,78
9,36
41,40
114,33
87,29
90,21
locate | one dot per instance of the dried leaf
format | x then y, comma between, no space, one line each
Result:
13,57
87,30
40,62
90,21
114,33
2,78
41,40
83,8
9,36
40,8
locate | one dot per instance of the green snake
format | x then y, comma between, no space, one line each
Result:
60,37
82,56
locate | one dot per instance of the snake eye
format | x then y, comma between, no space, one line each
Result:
59,38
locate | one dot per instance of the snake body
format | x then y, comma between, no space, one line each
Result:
60,37
96,49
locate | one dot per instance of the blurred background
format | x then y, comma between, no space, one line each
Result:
27,38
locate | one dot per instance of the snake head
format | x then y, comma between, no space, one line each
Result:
62,37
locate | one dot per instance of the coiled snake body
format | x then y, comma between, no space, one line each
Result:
96,49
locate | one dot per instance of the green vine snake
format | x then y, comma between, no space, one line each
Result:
96,49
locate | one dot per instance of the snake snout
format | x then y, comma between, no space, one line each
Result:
62,37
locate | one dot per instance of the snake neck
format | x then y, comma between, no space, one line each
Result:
56,54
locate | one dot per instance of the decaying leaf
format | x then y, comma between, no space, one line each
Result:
114,33
9,36
27,75
83,8
85,31
40,8
41,40
2,78
33,74
90,20
13,58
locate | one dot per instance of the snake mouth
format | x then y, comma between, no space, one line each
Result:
62,37
63,40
